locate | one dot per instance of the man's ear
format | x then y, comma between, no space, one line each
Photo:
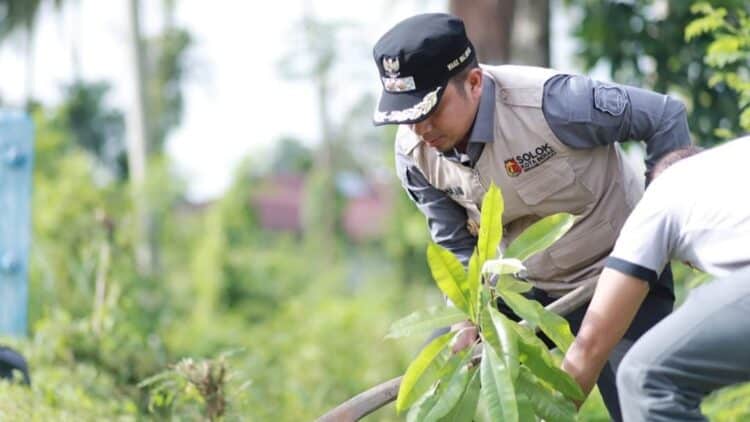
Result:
474,81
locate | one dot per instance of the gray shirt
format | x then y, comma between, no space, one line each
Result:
582,113
696,211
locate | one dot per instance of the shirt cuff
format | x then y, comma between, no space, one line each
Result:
635,270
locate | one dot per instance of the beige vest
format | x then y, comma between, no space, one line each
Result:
538,176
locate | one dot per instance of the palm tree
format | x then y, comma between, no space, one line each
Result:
19,16
137,132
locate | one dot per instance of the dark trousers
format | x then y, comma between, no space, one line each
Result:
657,305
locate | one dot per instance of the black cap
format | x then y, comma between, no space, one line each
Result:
11,360
416,58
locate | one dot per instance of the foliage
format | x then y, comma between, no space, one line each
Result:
728,53
728,404
643,43
104,341
204,381
95,127
168,67
520,379
20,15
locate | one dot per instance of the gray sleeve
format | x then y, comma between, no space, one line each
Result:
649,235
445,218
584,113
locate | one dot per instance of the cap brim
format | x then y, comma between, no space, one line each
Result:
407,107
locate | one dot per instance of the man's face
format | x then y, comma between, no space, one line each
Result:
451,121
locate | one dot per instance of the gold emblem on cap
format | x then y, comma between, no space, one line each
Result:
391,66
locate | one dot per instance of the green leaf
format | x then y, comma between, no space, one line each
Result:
423,371
419,410
723,133
449,275
701,7
745,119
450,390
485,298
540,236
509,283
426,321
497,332
553,325
454,362
498,390
713,20
491,225
549,404
724,50
526,411
536,357
715,79
473,284
466,406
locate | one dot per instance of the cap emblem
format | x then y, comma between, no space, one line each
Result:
391,66
399,84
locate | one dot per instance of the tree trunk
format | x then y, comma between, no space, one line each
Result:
137,146
322,211
530,38
489,25
29,66
505,31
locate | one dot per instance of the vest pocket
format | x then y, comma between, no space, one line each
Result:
583,246
545,180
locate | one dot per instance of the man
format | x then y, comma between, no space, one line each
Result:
546,139
697,211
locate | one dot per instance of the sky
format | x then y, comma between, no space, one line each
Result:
237,100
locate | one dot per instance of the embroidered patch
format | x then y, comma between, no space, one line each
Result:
399,84
529,160
513,168
454,190
462,58
610,99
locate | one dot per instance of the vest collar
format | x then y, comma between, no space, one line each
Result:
483,129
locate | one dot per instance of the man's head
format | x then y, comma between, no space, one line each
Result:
672,157
431,79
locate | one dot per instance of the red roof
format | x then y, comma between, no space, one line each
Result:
278,203
279,199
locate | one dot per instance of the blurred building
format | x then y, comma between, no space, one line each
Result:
279,205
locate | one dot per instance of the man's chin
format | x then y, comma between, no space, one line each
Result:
440,144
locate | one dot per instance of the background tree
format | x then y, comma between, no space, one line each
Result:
19,16
505,31
489,24
97,128
138,144
643,44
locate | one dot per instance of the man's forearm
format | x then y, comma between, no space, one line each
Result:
613,307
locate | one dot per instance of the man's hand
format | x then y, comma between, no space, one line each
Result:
466,337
